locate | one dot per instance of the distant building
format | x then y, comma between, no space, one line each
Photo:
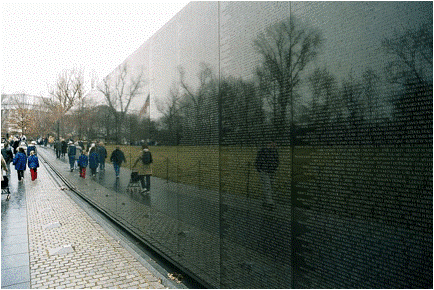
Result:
17,110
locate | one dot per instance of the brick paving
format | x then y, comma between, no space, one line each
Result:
68,249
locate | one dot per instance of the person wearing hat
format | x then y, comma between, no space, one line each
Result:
72,150
33,164
31,147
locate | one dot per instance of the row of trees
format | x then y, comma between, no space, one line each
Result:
273,105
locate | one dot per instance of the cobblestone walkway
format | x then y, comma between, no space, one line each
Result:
68,249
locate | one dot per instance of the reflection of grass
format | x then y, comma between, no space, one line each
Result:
348,172
205,166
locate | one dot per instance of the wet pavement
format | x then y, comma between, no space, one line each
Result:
14,240
50,241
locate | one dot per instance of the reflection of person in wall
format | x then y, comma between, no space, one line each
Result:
117,158
267,161
144,168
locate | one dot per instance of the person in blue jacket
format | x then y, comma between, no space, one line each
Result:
82,163
33,164
93,161
31,147
20,162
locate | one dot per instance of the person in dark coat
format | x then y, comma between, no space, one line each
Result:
93,160
15,145
102,153
117,157
33,164
58,148
267,161
20,162
64,147
72,150
31,147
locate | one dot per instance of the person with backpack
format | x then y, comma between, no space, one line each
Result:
144,168
33,163
117,158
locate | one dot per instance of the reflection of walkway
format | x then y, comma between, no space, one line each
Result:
184,222
205,231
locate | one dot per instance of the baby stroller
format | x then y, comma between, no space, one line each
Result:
5,187
134,186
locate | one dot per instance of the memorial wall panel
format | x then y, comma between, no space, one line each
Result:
292,144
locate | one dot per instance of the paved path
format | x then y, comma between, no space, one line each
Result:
67,248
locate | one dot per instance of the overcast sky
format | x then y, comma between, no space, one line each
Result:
40,40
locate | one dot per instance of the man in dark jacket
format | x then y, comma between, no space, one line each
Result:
102,153
117,158
267,161
64,147
72,150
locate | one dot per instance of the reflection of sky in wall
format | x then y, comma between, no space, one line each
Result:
353,32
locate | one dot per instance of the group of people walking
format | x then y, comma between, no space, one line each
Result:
21,160
96,155
267,161
79,158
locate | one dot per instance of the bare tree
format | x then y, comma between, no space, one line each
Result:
286,47
64,95
24,114
119,90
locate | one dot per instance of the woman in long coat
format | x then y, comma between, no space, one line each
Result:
20,162
143,165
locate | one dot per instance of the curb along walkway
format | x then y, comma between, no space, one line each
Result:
68,249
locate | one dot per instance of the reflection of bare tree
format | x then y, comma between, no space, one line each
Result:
119,91
411,53
287,47
200,107
171,119
411,67
324,88
242,114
